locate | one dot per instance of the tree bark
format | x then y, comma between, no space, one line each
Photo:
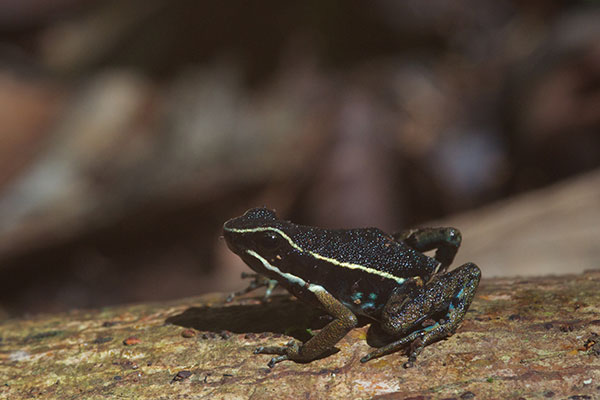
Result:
522,338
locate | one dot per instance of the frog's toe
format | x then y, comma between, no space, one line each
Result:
368,357
377,354
277,359
288,352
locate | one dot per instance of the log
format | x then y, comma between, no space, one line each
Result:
522,338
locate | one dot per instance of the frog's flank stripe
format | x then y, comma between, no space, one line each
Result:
316,255
291,278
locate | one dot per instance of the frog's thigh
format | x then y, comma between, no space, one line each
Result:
465,280
333,332
453,291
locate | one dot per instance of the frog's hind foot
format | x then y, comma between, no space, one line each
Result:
288,352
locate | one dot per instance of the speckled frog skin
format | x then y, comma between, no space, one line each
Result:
386,278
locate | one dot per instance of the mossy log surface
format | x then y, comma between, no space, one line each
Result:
522,338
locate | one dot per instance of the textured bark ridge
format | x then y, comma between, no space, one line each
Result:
522,338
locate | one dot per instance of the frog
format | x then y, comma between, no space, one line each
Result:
410,298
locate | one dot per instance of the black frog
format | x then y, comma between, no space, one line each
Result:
384,277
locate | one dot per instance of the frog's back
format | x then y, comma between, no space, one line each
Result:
360,267
370,248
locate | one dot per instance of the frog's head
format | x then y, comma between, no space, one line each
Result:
258,237
253,218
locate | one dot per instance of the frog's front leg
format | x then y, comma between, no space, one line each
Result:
446,240
402,314
324,341
257,282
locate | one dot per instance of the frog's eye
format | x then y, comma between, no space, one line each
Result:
268,241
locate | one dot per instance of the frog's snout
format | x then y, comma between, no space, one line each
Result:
229,237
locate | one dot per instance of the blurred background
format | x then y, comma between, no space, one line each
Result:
130,131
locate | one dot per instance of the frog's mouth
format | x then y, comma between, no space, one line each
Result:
238,244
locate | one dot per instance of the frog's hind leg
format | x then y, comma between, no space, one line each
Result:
452,292
323,342
445,240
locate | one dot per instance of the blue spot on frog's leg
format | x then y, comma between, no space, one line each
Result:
451,307
356,296
368,306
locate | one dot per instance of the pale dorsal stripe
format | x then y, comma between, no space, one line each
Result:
318,256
